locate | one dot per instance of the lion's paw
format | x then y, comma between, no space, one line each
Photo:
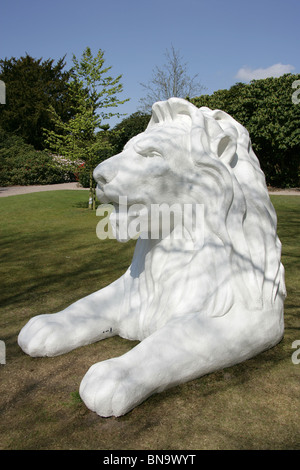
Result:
109,389
43,335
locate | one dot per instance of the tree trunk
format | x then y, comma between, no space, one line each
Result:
94,198
92,193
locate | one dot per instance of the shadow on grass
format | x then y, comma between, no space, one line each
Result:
81,205
37,260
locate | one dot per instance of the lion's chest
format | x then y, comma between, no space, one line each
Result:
159,285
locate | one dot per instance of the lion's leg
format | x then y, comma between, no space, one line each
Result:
90,319
180,351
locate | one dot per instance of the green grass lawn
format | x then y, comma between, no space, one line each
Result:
51,257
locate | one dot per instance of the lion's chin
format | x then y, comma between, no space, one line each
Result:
123,223
101,196
119,227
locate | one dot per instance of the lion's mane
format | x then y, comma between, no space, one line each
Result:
239,261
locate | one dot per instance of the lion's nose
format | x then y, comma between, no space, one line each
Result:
105,172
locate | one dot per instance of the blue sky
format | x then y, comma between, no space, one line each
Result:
221,41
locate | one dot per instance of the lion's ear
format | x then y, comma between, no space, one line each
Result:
225,148
222,135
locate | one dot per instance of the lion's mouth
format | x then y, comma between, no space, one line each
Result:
101,196
108,196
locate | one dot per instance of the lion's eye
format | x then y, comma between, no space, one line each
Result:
152,153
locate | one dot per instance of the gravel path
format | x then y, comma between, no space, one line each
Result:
15,190
286,192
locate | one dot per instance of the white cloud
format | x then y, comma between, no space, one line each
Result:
245,74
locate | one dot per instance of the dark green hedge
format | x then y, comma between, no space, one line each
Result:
21,164
272,117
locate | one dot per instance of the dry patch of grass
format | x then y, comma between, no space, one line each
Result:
50,257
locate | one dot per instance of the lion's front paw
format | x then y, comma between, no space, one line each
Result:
43,335
110,389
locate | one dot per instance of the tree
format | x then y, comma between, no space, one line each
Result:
31,86
83,137
128,128
265,107
170,81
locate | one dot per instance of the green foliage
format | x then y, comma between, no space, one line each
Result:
93,91
21,164
83,176
101,88
31,87
128,128
76,138
266,109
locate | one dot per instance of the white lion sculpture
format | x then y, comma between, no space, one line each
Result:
195,307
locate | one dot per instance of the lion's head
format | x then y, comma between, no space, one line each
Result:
199,156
